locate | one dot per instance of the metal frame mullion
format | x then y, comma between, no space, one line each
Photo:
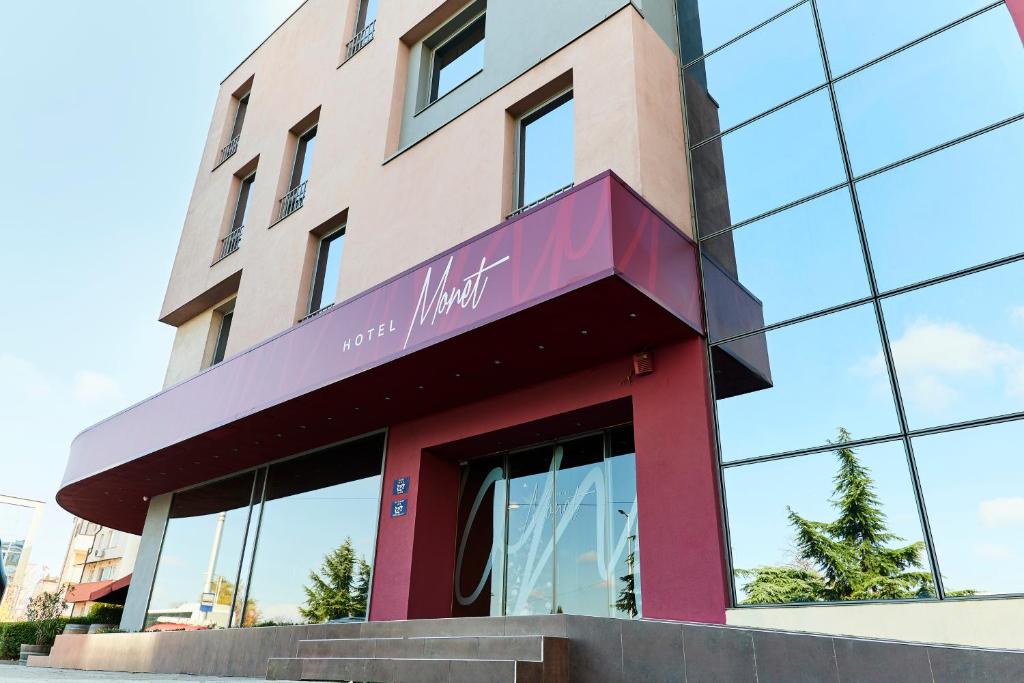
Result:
880,318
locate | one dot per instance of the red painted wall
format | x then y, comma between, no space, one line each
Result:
682,569
1016,8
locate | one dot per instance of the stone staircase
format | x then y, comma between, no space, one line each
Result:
428,659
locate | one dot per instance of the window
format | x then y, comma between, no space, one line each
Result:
457,58
323,289
236,127
546,155
233,240
223,330
106,573
366,20
293,200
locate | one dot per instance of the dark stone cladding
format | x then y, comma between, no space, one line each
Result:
600,650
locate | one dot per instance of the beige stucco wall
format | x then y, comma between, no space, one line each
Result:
997,623
402,207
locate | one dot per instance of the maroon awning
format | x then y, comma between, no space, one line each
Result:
592,274
113,592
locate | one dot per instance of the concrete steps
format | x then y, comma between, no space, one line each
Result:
451,659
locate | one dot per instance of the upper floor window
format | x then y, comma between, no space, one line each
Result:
234,237
236,127
457,57
545,152
296,195
220,344
326,272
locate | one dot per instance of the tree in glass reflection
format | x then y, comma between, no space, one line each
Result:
853,557
340,588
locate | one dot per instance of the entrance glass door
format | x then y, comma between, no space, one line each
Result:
550,529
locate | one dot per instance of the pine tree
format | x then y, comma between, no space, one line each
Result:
626,601
850,558
329,594
361,591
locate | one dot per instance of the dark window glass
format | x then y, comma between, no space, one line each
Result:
367,14
326,275
785,156
773,505
480,556
973,487
197,572
222,337
762,70
243,105
973,74
959,347
950,210
242,205
303,158
546,157
321,505
795,262
455,60
825,372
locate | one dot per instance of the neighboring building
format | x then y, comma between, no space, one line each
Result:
19,523
98,561
563,307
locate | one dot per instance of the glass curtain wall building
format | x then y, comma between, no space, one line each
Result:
857,167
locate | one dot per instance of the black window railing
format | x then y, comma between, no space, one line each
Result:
229,149
313,314
292,201
360,39
230,244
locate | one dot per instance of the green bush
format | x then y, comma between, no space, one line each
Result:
14,634
102,613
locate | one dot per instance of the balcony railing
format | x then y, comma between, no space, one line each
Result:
360,40
230,244
292,202
229,149
315,313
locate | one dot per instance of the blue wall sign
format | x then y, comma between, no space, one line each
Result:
400,487
400,507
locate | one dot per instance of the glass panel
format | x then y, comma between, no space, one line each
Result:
783,157
546,151
959,347
367,14
15,523
303,158
764,69
706,24
480,559
458,59
242,206
796,262
328,271
857,32
954,209
243,105
823,374
222,337
624,535
581,585
529,566
973,75
199,560
812,528
319,517
973,482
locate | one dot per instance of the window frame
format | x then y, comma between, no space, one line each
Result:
522,121
433,72
241,107
302,140
244,188
220,341
316,288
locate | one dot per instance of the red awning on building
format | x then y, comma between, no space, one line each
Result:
113,592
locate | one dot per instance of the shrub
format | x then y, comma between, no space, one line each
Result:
47,631
14,634
102,613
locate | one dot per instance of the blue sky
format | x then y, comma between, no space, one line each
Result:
105,112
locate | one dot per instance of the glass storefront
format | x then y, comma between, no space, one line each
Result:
288,543
551,529
857,167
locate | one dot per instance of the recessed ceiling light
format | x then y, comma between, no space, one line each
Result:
583,332
540,347
632,315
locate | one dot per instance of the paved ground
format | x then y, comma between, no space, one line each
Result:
10,672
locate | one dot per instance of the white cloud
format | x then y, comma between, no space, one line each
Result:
21,379
1001,512
94,387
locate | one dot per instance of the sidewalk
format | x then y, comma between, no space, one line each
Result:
13,672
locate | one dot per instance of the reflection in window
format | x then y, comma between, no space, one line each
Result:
706,24
973,487
546,159
15,523
367,14
319,516
240,110
788,155
220,345
197,572
833,526
917,215
796,262
959,347
457,58
762,70
327,271
973,74
823,373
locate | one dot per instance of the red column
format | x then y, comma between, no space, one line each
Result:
682,567
415,557
1016,8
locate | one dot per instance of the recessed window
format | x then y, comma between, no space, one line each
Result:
457,58
293,200
223,331
324,287
545,150
367,14
236,127
233,240
366,20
